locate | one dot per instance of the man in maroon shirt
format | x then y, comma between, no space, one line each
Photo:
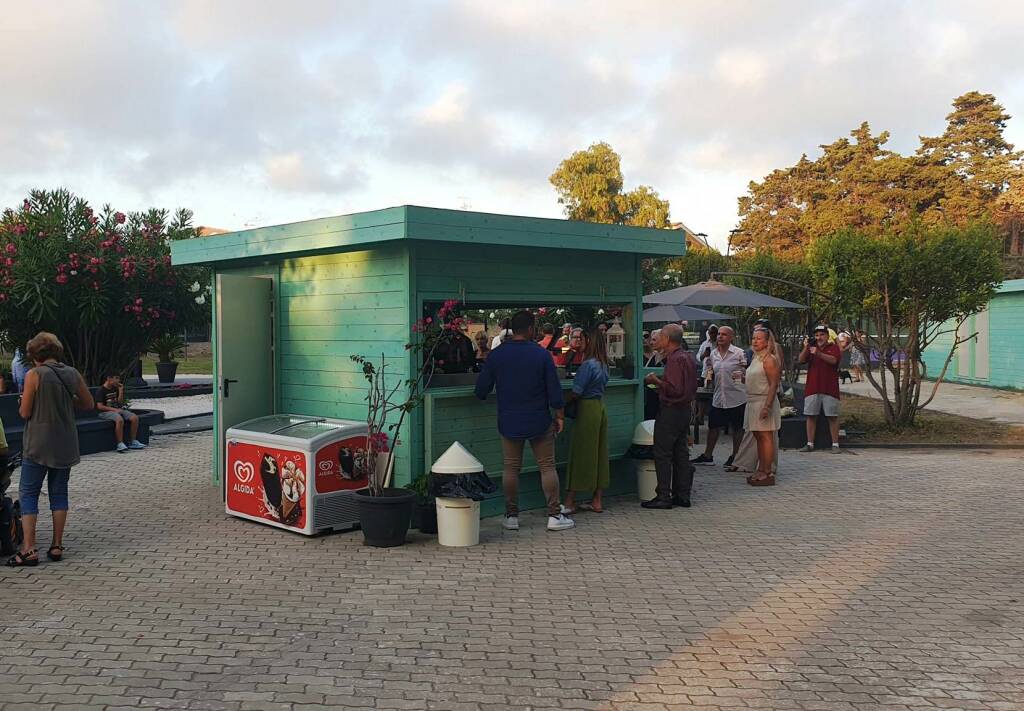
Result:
821,395
677,388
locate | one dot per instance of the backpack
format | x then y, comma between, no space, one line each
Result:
11,534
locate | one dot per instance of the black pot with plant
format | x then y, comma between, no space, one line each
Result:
385,512
168,348
424,517
626,366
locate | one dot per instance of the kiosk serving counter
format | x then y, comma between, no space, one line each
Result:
293,302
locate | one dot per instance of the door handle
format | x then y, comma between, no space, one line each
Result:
227,385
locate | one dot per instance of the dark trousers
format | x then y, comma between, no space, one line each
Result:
671,454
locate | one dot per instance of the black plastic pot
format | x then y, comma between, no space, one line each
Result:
166,372
385,519
426,514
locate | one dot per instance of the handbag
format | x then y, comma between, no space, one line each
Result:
572,409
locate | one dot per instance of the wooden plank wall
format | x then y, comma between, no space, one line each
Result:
335,306
499,275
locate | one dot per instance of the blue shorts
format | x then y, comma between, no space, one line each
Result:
31,484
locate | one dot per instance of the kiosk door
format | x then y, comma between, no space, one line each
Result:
245,354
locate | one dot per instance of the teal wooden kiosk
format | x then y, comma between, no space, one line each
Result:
293,302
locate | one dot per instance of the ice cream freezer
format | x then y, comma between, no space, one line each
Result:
296,472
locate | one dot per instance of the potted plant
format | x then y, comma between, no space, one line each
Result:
385,512
167,347
425,514
626,366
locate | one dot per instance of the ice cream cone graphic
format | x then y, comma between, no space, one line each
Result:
271,479
293,487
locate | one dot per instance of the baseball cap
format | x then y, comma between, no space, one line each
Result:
821,327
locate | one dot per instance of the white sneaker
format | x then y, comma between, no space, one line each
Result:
560,522
136,444
122,447
511,523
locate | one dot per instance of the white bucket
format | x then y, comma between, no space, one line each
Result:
646,479
458,522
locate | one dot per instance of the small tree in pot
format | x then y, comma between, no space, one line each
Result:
168,348
384,511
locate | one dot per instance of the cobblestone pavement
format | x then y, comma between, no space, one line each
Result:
184,406
877,580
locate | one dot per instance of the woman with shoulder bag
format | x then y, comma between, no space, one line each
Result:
588,450
52,392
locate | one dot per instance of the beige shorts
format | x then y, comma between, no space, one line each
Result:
3,438
819,402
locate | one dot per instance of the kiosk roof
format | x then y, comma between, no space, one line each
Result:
426,224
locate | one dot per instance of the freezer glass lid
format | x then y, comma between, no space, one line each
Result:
295,426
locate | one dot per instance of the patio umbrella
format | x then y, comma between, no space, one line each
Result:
715,293
672,312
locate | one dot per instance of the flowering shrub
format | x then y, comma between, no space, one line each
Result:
103,283
386,400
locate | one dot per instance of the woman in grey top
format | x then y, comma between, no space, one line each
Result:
52,392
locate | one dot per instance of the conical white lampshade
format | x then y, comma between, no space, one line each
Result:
457,460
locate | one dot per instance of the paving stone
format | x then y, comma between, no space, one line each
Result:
876,580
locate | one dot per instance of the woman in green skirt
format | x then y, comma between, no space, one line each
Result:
588,451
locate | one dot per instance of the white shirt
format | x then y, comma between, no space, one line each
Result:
728,392
707,345
500,338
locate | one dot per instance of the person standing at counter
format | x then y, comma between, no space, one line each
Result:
677,388
528,390
588,452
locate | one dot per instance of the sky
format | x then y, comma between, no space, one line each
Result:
264,112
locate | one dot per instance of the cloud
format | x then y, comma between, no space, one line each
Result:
295,172
330,105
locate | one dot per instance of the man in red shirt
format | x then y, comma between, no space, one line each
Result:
822,392
677,389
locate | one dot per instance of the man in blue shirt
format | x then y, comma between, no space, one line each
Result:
528,390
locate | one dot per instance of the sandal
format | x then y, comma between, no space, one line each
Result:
55,556
761,479
19,559
732,468
590,507
566,510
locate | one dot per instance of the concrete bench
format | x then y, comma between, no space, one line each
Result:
94,434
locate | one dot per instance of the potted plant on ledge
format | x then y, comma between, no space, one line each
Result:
168,348
385,512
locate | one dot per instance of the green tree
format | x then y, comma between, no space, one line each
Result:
857,183
904,289
103,283
972,160
663,273
589,186
1008,214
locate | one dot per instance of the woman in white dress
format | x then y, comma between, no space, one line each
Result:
763,417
